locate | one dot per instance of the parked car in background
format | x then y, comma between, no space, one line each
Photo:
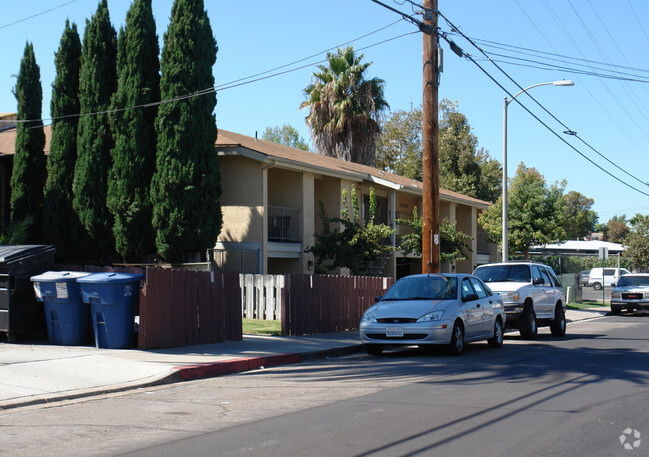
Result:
631,292
583,277
605,276
434,309
532,295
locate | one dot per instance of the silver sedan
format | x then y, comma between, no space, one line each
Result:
432,309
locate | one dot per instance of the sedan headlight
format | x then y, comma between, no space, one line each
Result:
434,316
510,296
368,317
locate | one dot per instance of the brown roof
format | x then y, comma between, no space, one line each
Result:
8,141
227,139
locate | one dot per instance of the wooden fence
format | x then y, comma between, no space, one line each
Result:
184,307
320,303
261,296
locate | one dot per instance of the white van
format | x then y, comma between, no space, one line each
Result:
606,276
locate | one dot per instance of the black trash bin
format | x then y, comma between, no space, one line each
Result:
20,313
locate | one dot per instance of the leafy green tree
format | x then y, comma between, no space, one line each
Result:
138,84
58,215
535,212
637,243
454,244
97,81
398,148
186,185
350,244
286,135
463,168
616,229
344,108
29,166
579,218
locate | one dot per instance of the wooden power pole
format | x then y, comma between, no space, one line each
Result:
430,242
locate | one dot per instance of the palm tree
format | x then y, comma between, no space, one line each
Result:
345,108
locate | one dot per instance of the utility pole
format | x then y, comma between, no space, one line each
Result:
430,242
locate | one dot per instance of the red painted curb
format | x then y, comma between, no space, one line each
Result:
209,370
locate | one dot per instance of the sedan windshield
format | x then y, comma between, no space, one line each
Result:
629,280
423,288
504,273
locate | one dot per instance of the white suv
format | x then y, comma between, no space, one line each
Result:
532,295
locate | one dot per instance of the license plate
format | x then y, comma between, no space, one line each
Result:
394,332
633,296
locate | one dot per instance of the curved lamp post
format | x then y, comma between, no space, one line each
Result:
505,240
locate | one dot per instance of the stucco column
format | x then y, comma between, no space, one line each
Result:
308,220
264,238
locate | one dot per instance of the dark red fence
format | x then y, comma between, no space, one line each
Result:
184,308
320,303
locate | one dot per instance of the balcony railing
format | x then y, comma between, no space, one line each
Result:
283,224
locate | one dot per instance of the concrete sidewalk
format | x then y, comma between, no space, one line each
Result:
41,373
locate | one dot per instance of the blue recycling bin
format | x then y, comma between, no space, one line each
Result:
67,316
112,298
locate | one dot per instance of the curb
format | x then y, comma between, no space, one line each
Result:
209,370
213,369
188,373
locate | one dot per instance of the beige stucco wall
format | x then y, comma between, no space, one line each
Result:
285,188
241,200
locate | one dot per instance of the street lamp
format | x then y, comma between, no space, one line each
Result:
505,242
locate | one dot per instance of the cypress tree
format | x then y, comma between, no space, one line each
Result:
57,209
133,156
97,81
28,176
186,185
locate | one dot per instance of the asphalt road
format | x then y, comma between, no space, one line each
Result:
571,396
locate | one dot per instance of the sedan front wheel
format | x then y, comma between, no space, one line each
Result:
374,349
497,340
457,340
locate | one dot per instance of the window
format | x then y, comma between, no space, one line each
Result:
555,280
537,274
479,289
467,289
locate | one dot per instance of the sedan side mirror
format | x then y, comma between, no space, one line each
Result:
469,297
377,298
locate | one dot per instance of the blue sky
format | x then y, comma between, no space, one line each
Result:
593,42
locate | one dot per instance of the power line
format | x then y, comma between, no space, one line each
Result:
37,14
568,130
224,86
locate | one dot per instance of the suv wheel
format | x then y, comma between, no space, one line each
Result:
527,324
616,310
597,286
558,324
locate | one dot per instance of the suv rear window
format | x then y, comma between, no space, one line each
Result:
504,273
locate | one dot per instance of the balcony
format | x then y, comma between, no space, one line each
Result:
283,224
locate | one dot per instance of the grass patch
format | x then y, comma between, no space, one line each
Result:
262,327
586,304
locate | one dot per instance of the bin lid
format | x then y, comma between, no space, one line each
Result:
105,278
59,276
12,253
